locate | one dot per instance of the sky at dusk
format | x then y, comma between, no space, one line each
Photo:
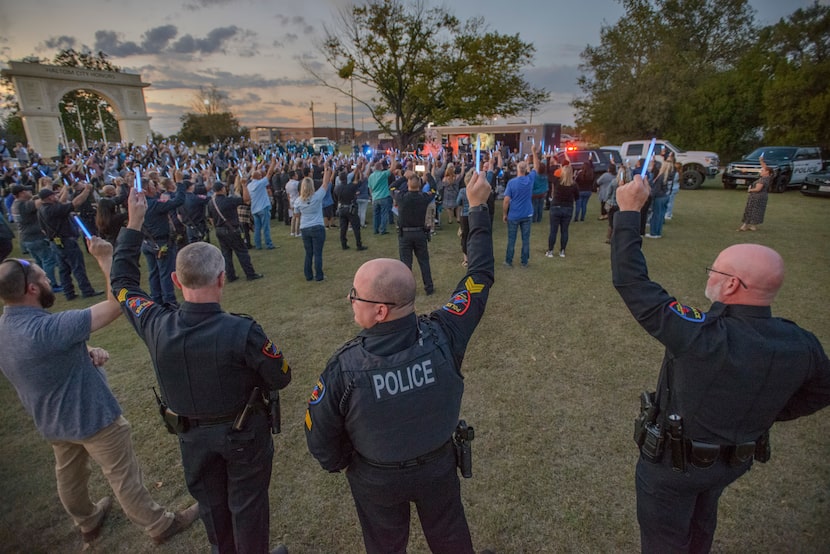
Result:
251,49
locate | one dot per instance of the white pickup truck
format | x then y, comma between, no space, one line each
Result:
697,165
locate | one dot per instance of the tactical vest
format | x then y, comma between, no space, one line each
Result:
405,405
201,369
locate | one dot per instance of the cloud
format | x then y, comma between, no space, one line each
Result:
206,4
297,22
62,42
555,79
158,41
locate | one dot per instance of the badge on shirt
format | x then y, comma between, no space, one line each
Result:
687,312
138,304
318,392
270,349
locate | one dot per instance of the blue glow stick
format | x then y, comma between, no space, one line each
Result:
648,158
137,179
82,227
176,160
478,153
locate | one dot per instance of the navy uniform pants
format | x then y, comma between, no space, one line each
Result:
228,472
230,243
678,512
410,242
382,497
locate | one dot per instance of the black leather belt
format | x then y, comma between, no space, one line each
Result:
414,462
206,421
412,229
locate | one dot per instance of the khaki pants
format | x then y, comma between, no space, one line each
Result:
112,449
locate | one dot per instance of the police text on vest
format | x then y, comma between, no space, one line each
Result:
399,381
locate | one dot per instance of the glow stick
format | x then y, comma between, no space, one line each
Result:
176,160
648,158
137,179
82,227
478,153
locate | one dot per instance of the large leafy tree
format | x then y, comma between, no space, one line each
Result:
653,64
425,65
211,119
796,100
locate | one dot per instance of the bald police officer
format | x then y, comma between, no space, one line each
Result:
728,374
212,368
387,404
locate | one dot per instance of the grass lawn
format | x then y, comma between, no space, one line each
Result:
553,375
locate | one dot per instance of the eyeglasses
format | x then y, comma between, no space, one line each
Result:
354,297
24,267
710,270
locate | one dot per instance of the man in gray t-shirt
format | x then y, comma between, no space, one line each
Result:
62,385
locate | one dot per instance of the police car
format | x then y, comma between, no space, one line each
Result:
790,166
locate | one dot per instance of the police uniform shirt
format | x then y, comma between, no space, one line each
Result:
227,207
193,210
207,361
412,208
54,218
730,372
412,394
156,222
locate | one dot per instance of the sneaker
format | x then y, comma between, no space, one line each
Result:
561,253
273,246
103,506
549,254
57,289
650,236
181,521
255,276
508,265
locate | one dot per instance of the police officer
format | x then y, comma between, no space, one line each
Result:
54,217
413,237
159,248
210,367
193,214
222,211
388,401
346,193
728,374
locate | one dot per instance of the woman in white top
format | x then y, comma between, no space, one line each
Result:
312,229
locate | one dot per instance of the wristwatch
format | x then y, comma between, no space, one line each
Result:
479,208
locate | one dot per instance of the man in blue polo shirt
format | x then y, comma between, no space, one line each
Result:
518,208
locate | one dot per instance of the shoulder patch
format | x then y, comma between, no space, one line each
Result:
122,296
270,349
459,304
688,313
318,392
138,304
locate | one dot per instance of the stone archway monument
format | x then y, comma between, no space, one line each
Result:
39,89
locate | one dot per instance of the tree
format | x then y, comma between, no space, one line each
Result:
796,102
423,65
654,62
211,120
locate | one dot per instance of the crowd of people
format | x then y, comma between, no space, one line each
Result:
162,200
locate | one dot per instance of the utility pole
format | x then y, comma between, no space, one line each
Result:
336,134
351,82
312,118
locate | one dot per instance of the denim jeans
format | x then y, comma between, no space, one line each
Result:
41,251
161,283
383,206
560,218
582,205
658,212
538,208
71,262
262,223
512,228
670,205
313,240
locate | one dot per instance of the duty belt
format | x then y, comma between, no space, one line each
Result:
414,462
408,229
703,454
